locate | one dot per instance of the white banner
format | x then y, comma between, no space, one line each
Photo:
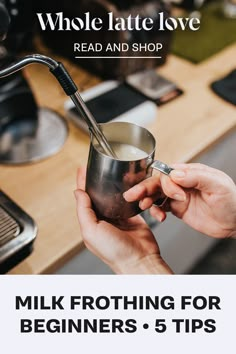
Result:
117,314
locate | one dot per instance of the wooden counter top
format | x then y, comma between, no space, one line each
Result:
183,129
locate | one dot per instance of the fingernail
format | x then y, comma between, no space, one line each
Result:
179,197
126,194
178,173
162,219
141,204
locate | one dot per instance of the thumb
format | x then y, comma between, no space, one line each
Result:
203,180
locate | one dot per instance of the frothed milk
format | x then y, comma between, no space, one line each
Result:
126,152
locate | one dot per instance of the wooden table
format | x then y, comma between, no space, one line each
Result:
183,129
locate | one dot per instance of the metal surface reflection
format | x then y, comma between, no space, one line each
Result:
25,140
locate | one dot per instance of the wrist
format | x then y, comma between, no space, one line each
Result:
151,264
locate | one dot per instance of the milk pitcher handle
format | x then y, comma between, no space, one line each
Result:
163,168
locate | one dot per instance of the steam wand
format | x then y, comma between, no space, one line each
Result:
70,88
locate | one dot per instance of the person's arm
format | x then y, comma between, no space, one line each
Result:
127,248
203,197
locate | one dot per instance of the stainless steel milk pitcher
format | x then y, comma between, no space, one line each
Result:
108,178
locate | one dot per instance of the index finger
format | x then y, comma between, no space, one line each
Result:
146,188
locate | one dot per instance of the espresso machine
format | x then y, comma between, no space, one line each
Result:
27,133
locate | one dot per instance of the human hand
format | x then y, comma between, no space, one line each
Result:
128,247
203,197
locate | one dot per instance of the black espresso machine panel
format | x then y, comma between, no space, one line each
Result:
17,233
